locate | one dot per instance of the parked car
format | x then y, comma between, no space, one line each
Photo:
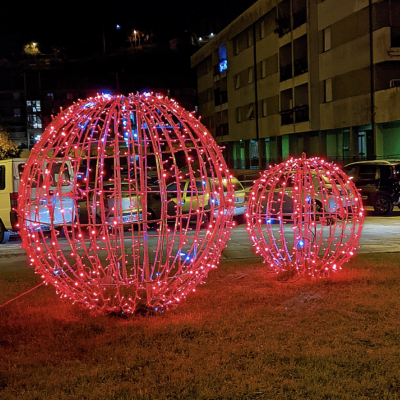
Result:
379,183
193,198
322,187
114,202
43,200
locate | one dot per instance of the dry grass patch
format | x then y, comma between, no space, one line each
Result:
243,335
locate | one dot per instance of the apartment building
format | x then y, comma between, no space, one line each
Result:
314,76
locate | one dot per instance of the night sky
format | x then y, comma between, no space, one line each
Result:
76,27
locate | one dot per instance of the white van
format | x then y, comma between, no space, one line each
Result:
10,173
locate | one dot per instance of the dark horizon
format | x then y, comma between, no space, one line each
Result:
78,28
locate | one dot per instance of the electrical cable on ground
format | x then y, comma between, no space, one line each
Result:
23,294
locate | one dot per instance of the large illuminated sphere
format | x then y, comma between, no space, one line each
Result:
125,203
305,217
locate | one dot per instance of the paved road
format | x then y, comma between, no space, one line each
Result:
379,235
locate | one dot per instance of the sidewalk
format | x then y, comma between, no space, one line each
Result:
379,235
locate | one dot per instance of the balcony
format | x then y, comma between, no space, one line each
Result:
286,117
301,113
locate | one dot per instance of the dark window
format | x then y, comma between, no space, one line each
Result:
198,188
2,177
301,113
367,172
223,129
350,171
57,174
173,187
386,172
217,96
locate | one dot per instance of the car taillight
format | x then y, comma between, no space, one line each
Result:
14,201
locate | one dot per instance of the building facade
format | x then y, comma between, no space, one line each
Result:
314,76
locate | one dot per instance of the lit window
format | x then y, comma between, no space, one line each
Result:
223,66
28,103
237,81
262,29
50,96
250,112
327,38
250,75
222,52
264,107
17,112
263,68
236,46
249,38
328,90
238,115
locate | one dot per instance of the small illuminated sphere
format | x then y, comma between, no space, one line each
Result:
125,203
305,217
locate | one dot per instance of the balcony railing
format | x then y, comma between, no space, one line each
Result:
286,117
301,113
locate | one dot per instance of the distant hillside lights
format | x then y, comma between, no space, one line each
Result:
205,39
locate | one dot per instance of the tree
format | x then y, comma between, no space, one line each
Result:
31,50
8,149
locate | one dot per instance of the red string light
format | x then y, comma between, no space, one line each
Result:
305,216
125,203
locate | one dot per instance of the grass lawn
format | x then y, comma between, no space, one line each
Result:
244,335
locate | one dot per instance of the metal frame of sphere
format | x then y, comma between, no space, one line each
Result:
143,199
305,217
